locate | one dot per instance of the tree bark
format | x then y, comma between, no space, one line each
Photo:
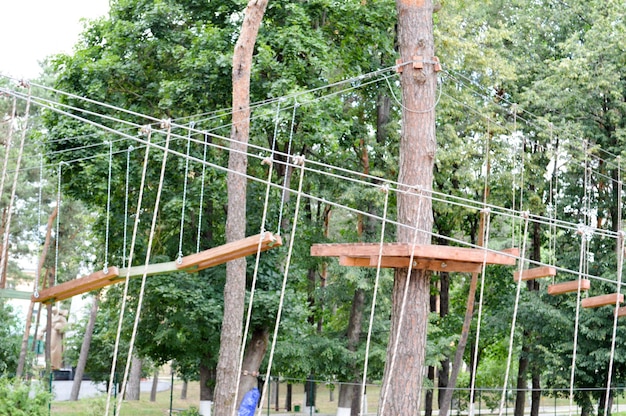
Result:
234,289
29,316
183,390
155,385
207,382
520,395
84,349
252,362
133,390
444,309
402,382
347,392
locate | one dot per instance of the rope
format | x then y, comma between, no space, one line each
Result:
287,167
300,161
105,269
385,190
58,225
583,249
8,145
620,267
179,260
515,309
244,339
389,376
39,203
126,186
127,279
480,309
201,205
4,261
168,126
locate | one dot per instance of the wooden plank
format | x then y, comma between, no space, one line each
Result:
93,281
403,262
153,269
426,251
602,300
621,311
229,251
535,273
15,294
568,287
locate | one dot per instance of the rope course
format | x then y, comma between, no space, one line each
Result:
461,255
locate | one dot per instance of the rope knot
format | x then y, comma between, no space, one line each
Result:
526,215
23,83
486,210
298,160
267,161
166,123
385,188
145,130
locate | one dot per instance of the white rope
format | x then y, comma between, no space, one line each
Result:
385,190
298,160
105,269
126,191
201,204
179,260
515,310
4,260
39,203
127,279
398,331
8,145
284,193
58,225
255,274
620,267
486,231
168,126
583,253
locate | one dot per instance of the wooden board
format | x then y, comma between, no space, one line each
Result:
602,300
426,256
230,251
93,281
535,273
621,311
15,294
192,263
568,287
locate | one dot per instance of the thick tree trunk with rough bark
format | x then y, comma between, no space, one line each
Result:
84,349
234,290
155,385
133,390
347,392
255,352
404,368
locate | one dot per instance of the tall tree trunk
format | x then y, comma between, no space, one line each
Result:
155,385
428,406
133,391
347,391
402,382
84,349
252,362
183,390
444,309
235,287
536,394
208,378
520,395
29,316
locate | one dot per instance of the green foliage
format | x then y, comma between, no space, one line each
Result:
10,340
23,399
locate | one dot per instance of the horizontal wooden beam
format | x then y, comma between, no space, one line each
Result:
426,253
621,311
568,287
535,273
93,281
15,294
602,300
403,262
229,251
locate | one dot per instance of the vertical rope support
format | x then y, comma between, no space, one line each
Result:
9,143
126,193
167,125
179,260
201,205
285,190
58,225
522,260
244,339
299,161
385,190
486,212
4,261
620,267
148,132
39,203
404,299
105,269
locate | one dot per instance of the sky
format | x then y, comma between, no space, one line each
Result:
31,30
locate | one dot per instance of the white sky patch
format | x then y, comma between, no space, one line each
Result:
32,30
